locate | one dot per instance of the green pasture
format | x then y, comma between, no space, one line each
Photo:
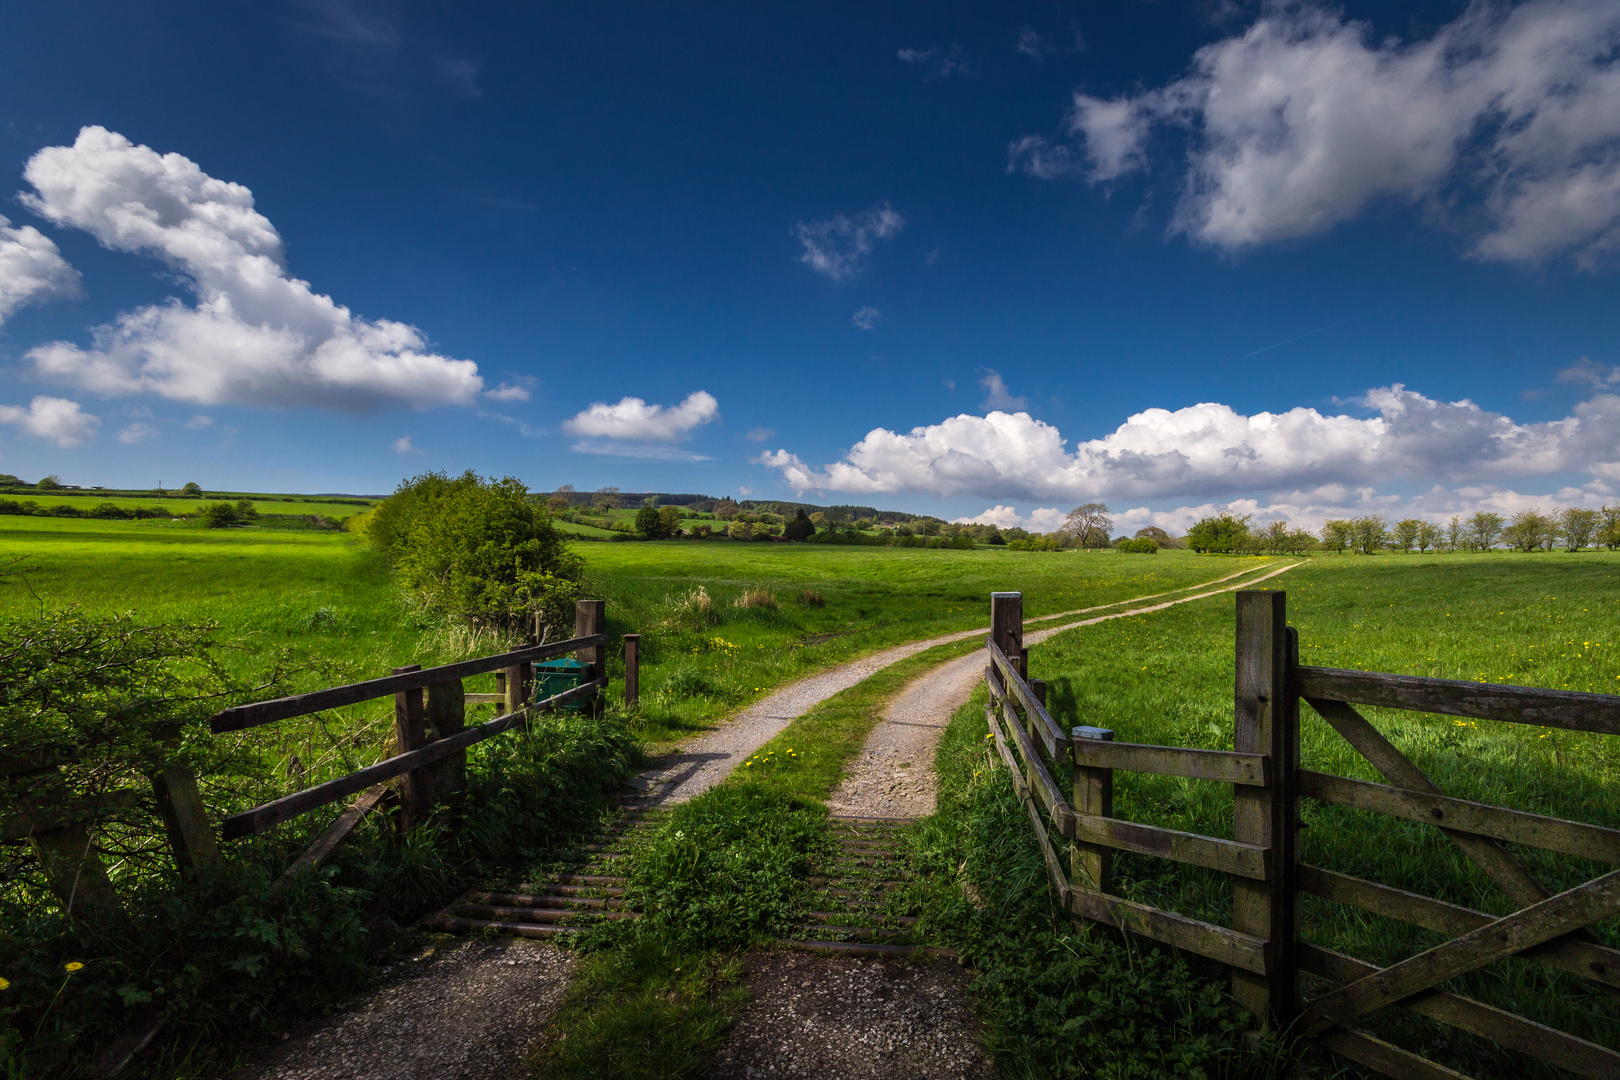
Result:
266,504
1546,619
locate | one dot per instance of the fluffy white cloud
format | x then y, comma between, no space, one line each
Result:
54,418
257,335
31,269
137,432
633,418
1211,449
838,246
1504,120
1042,519
868,318
760,434
402,445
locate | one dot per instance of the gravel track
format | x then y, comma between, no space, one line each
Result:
709,759
894,774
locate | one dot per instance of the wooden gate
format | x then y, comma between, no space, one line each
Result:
1262,947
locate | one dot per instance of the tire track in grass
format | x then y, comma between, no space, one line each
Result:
710,758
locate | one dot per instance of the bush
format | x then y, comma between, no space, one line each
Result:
800,528
1222,535
221,515
478,550
1144,546
192,488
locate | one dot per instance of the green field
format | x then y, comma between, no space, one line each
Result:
1543,620
266,504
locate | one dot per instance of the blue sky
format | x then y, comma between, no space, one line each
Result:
955,259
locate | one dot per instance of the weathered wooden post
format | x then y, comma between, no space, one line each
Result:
632,669
410,733
1266,721
512,682
185,820
75,872
1007,627
1091,865
590,618
446,714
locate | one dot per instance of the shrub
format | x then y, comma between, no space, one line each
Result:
811,598
800,528
220,515
49,483
1144,546
1224,534
478,550
649,524
192,488
757,597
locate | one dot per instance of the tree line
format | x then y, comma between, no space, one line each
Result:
1573,528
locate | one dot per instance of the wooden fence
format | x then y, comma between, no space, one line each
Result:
1262,947
428,764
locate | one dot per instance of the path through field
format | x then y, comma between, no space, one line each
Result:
705,761
809,1016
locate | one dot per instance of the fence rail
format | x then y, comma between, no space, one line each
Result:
1263,948
427,765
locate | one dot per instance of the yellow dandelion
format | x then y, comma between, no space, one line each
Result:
5,983
72,967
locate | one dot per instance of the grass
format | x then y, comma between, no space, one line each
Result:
266,504
1538,620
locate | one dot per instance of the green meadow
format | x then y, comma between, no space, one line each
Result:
175,504
1545,620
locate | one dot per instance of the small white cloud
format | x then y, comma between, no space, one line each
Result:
31,269
868,318
634,419
996,394
942,61
1032,45
1037,157
518,391
137,432
257,335
838,246
402,445
745,490
760,434
1588,372
53,418
198,421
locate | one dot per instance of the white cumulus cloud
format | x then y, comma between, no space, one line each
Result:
31,269
633,418
838,246
1211,449
257,335
1502,122
53,418
1041,519
996,394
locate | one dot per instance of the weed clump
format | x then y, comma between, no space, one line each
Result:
811,598
757,597
696,609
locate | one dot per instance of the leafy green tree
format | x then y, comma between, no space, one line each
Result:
800,528
1608,533
1406,533
669,519
478,549
1223,534
1089,525
1428,536
1337,534
1484,529
1370,532
1456,534
192,488
220,515
49,483
649,524
1529,530
1579,526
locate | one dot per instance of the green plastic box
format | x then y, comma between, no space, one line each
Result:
555,676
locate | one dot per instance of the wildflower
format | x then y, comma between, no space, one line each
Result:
5,983
72,967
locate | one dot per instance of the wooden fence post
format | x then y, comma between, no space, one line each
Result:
590,617
1266,721
446,714
191,838
632,669
1007,626
1091,865
410,733
512,684
76,874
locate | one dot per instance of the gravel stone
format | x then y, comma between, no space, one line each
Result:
827,1018
466,1011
